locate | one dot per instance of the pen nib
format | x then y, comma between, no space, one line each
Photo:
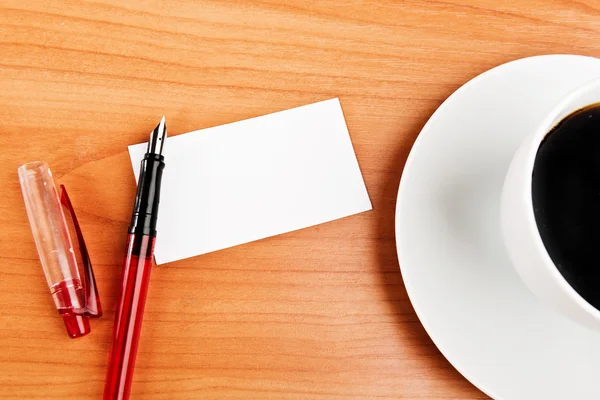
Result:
157,137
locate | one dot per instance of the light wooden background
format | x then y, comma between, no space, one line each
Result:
316,314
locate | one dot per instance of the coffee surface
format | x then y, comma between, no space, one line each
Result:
566,199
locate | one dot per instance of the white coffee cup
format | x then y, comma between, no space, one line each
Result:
519,229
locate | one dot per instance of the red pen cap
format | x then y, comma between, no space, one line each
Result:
75,294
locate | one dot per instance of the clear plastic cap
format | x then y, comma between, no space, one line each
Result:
75,296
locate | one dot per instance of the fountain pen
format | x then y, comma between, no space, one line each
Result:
136,270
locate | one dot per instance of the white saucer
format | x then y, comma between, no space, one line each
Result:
459,279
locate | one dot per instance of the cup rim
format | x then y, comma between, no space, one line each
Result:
549,122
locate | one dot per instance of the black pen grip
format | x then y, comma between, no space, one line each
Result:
145,210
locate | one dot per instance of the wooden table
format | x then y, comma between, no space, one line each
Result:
319,313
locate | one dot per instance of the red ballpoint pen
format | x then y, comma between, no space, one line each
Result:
136,270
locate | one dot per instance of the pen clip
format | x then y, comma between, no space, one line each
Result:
92,306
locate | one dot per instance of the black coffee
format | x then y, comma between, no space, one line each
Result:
566,199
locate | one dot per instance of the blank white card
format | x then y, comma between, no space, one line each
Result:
244,181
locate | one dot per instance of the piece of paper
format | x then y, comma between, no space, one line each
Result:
260,177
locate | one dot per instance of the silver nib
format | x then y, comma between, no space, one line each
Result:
157,138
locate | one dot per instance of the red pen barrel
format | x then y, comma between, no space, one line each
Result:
129,315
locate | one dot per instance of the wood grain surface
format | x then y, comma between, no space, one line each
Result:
319,313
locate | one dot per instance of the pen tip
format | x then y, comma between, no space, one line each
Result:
157,137
162,126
